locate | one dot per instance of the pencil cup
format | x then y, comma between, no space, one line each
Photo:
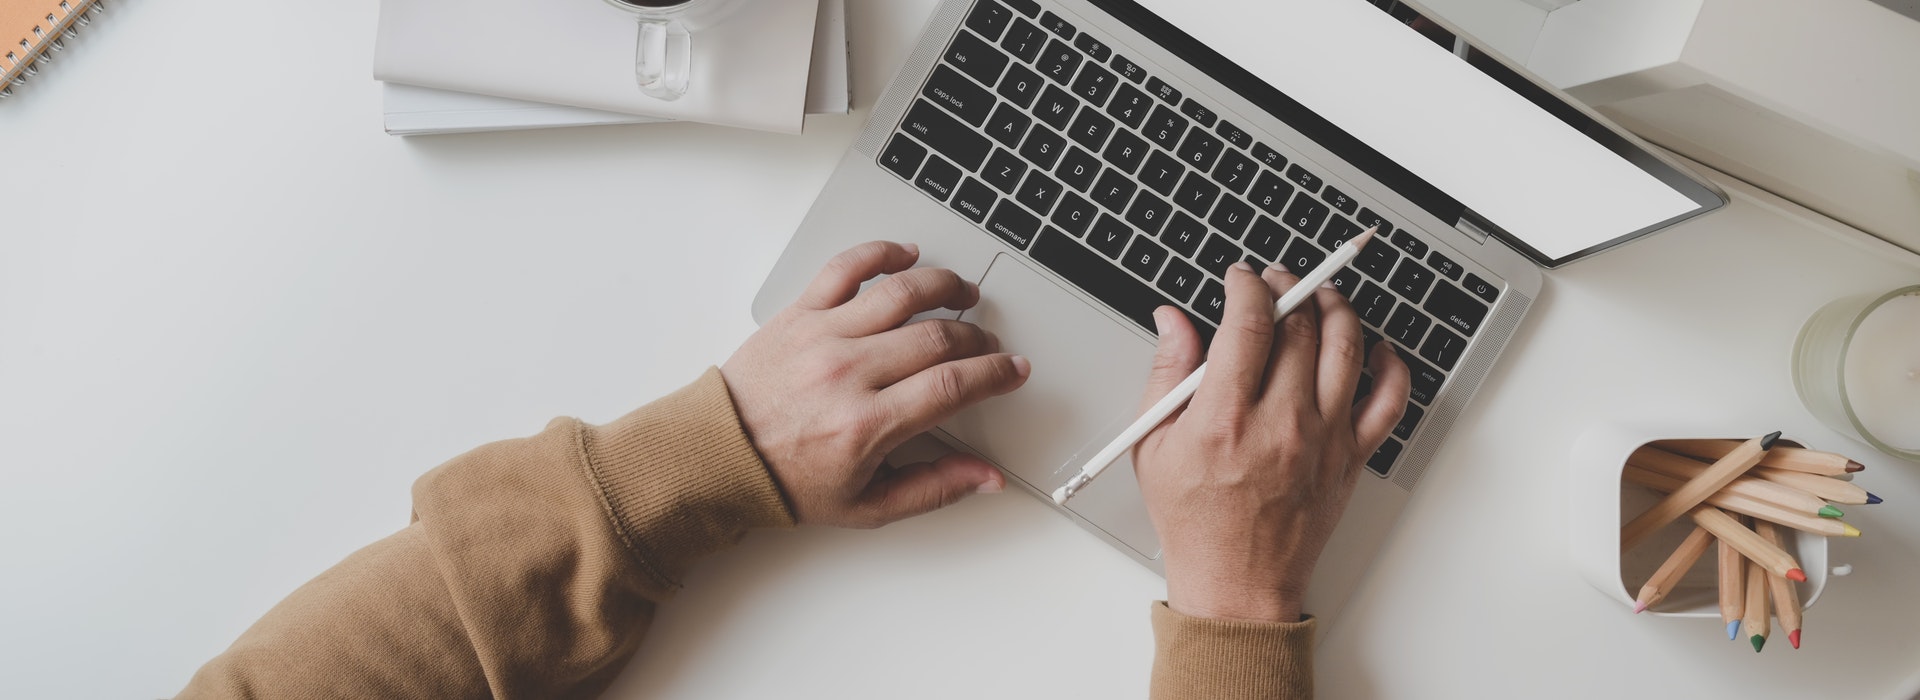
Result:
1601,502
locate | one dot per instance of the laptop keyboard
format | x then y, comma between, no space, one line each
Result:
1073,155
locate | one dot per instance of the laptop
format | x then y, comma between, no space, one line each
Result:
1087,161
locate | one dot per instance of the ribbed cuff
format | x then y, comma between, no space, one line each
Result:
1197,657
681,480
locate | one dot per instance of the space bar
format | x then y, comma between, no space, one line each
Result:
1098,276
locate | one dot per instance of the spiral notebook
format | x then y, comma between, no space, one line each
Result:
34,29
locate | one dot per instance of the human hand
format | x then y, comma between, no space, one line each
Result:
1246,483
833,383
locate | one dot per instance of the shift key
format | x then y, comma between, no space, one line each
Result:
946,135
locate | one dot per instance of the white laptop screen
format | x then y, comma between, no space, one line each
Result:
1557,191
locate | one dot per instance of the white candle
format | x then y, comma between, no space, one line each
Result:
1883,372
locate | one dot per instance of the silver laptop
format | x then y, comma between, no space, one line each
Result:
1087,161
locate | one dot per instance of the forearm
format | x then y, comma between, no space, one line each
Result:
1203,658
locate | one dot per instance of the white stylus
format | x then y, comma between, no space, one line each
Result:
1175,399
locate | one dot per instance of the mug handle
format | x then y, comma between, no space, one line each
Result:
663,58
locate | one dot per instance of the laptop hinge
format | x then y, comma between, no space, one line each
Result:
1467,226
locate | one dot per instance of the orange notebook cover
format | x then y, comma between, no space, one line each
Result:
31,30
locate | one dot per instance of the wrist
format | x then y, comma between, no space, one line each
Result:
1229,601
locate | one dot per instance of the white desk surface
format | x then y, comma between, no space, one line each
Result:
237,321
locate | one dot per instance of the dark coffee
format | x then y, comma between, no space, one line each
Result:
655,3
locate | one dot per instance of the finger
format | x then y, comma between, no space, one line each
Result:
890,302
1238,356
905,351
1342,352
1376,415
842,276
926,399
1292,366
924,487
1178,354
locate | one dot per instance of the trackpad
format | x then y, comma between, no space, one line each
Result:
1088,372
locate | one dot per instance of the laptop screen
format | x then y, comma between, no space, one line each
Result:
1447,126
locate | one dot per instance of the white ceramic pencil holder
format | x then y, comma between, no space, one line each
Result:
1601,502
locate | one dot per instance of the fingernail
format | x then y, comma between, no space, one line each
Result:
911,248
1021,365
1329,285
1160,321
1243,266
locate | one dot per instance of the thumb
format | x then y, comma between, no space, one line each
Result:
924,487
1178,355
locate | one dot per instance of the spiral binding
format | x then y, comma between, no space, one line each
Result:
24,62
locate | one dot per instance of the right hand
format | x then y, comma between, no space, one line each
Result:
1246,483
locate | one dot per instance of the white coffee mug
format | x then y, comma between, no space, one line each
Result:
663,53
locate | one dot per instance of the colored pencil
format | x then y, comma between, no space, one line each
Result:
1680,467
1826,487
1733,587
1673,568
1696,490
1786,598
1797,459
1756,618
1751,546
1746,505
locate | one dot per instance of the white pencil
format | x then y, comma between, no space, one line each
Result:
1178,397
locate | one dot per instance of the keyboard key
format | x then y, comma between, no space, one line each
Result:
1162,173
1078,168
1127,69
1109,236
1444,265
1130,106
973,200
1165,128
1055,108
1456,310
1075,214
1404,240
1266,238
1368,219
1102,280
1113,191
1306,180
989,18
1408,420
1407,325
1345,281
1042,147
1058,61
1382,460
1095,84
1373,303
1008,124
1025,7
1148,213
1024,40
1411,280
1200,149
1235,172
903,156
1184,234
1339,200
1004,171
1270,193
1039,192
1301,257
1269,157
976,58
1482,288
1198,112
1217,255
1305,215
1126,151
1339,230
1013,224
1054,24
1197,194
1090,128
1212,302
1160,89
1426,379
938,178
1093,48
1020,86
1231,217
1233,134
1144,257
1443,348
946,135
958,95
1180,280
1377,260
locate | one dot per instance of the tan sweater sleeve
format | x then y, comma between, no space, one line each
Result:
1206,659
531,569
